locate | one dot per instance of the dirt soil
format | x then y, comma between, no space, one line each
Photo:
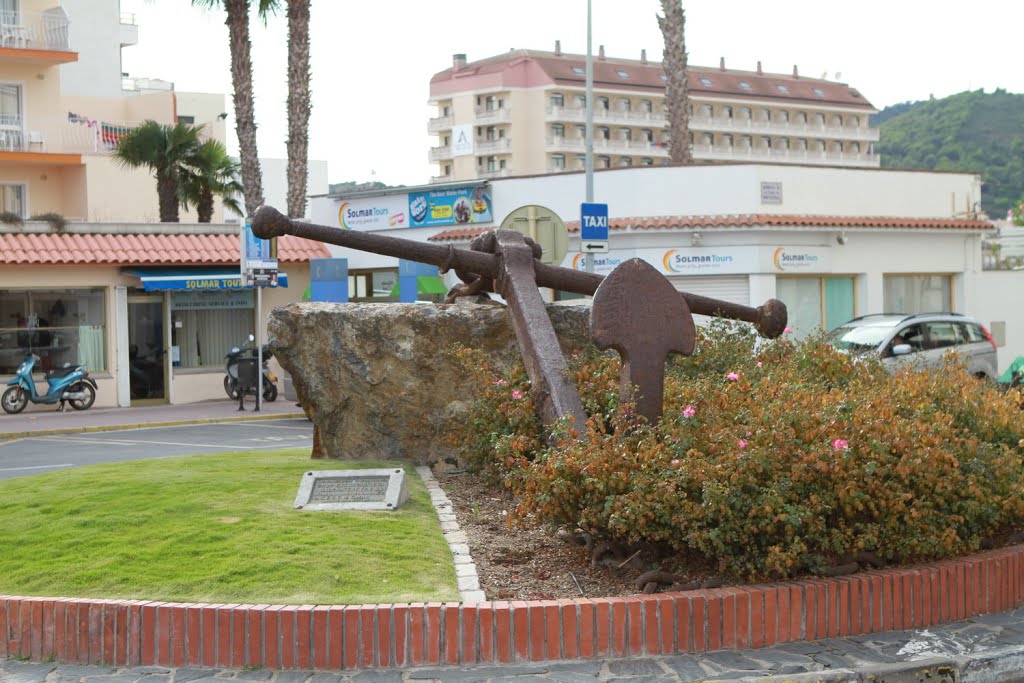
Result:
527,562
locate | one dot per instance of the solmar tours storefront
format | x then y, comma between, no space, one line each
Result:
151,314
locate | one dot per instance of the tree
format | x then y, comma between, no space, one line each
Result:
298,105
677,97
209,172
165,149
241,81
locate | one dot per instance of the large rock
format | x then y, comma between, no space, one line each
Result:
379,380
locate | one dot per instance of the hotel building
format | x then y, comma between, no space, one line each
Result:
523,113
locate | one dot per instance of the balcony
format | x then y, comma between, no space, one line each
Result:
496,173
129,30
605,146
440,123
755,126
606,116
499,146
441,178
496,115
792,156
440,153
36,37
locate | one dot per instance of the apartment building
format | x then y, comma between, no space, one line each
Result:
63,109
523,113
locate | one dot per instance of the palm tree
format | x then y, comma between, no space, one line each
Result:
677,97
164,149
210,172
241,80
299,105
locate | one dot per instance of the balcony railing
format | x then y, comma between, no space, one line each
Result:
493,146
606,145
73,134
441,178
782,128
496,173
436,125
611,115
795,156
35,30
497,115
440,153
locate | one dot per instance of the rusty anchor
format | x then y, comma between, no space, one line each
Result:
506,262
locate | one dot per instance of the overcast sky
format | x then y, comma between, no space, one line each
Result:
372,60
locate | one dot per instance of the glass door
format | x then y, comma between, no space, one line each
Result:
146,353
12,136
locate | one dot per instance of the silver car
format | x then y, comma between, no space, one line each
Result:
920,340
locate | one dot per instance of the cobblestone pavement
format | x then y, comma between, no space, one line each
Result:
983,650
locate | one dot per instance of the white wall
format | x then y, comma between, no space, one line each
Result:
96,36
736,189
998,296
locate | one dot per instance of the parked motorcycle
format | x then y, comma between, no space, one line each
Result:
71,383
231,371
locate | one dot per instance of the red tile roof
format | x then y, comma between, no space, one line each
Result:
647,76
753,221
142,250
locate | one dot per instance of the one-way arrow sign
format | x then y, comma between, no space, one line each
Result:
594,247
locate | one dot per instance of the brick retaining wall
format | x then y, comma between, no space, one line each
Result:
134,632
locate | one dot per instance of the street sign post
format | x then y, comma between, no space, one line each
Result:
593,228
258,262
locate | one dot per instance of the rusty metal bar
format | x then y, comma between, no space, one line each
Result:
769,319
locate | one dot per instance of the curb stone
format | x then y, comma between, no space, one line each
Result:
6,436
466,577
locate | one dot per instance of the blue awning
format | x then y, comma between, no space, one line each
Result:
194,279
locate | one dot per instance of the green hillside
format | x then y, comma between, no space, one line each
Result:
971,131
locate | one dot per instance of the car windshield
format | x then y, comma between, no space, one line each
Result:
862,338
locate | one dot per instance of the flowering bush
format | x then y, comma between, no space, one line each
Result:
771,460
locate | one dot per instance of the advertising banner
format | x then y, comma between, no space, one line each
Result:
387,212
258,258
205,300
702,260
801,259
455,206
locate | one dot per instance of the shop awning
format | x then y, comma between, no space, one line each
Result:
193,279
426,284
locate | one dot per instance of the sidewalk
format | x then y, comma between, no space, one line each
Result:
37,420
987,649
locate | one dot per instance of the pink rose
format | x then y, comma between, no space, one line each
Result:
840,445
741,443
787,330
758,363
689,411
732,377
516,394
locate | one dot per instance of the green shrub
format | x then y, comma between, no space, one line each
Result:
771,460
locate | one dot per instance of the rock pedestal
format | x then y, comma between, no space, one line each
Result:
379,380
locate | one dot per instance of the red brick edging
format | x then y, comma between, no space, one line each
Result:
135,632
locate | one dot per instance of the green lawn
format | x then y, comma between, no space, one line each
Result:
215,528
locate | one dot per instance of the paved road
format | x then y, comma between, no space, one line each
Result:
36,454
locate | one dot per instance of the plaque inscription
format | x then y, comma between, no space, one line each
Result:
370,489
349,490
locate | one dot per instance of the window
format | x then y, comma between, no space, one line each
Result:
601,102
854,147
852,120
647,134
707,110
492,164
782,115
188,120
706,82
725,111
492,103
646,106
816,302
625,104
491,134
801,143
12,199
837,146
819,145
447,140
604,162
581,131
446,111
11,133
646,161
557,99
211,324
727,139
579,71
558,162
626,134
373,285
581,101
745,113
707,139
766,142
663,77
745,85
447,169
745,141
819,119
557,130
602,133
782,89
943,334
837,120
917,293
801,117
622,74
58,325
626,161
764,115
819,92
783,143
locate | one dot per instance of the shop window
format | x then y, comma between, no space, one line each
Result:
203,336
373,285
917,294
813,303
58,325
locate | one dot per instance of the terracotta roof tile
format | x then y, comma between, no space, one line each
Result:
113,249
786,220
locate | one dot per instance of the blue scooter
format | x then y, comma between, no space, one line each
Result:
70,383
